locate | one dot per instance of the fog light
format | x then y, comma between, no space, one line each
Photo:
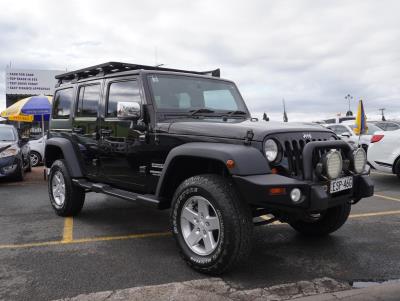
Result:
295,195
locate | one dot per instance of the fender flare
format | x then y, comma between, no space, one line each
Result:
248,160
69,155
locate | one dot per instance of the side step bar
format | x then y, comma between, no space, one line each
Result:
147,199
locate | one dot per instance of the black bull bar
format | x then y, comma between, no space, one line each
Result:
310,147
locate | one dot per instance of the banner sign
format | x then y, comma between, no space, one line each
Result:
31,82
23,118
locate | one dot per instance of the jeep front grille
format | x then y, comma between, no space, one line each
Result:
292,147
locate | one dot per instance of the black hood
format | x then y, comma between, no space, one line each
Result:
236,129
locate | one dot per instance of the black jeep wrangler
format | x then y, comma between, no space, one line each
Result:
185,140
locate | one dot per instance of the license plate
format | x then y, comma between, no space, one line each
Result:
341,184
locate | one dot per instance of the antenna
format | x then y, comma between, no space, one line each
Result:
285,117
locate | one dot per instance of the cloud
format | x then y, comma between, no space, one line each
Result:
311,53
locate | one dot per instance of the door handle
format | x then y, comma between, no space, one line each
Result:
105,132
77,130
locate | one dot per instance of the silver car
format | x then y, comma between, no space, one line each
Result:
37,151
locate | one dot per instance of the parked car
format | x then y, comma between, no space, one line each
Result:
387,125
345,131
185,140
14,153
339,119
37,150
384,152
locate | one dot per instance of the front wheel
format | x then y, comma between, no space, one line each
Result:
212,226
65,198
323,223
397,168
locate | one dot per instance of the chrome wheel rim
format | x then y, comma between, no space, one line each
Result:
34,159
58,188
200,225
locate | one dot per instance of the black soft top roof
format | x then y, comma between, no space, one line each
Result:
115,67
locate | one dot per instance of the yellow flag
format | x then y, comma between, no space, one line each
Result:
361,120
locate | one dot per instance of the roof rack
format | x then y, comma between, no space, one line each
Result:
113,67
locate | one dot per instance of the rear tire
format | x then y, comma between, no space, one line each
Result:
35,158
65,198
329,221
222,236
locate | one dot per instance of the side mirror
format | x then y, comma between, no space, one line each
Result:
128,110
346,135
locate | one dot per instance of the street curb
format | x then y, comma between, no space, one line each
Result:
378,292
219,290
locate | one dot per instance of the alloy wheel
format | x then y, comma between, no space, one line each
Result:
200,225
58,188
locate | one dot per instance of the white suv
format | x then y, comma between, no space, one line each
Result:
384,152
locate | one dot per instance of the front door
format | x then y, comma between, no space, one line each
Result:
122,146
85,125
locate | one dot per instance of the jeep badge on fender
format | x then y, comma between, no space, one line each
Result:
185,140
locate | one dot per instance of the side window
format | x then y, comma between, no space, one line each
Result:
392,127
219,99
62,104
126,91
88,103
340,130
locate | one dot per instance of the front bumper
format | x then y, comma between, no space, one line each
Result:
8,166
256,190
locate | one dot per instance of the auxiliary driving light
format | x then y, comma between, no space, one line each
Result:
333,164
359,160
295,195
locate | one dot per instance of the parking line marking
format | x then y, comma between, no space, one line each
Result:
68,232
70,240
85,240
375,214
387,197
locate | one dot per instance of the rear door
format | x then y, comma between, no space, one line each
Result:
122,145
85,128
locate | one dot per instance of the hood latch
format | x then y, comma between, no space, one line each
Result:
249,137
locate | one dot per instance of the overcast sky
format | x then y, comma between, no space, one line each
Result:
311,53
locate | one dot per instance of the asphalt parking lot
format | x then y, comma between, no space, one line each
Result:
114,244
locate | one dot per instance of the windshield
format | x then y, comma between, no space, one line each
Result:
371,128
188,94
7,134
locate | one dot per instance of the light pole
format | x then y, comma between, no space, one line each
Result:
383,114
349,98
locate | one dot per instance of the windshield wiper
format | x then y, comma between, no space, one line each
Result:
202,110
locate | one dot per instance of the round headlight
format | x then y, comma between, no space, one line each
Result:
359,160
333,164
271,150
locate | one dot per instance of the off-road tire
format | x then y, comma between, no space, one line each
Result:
330,221
74,195
236,226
